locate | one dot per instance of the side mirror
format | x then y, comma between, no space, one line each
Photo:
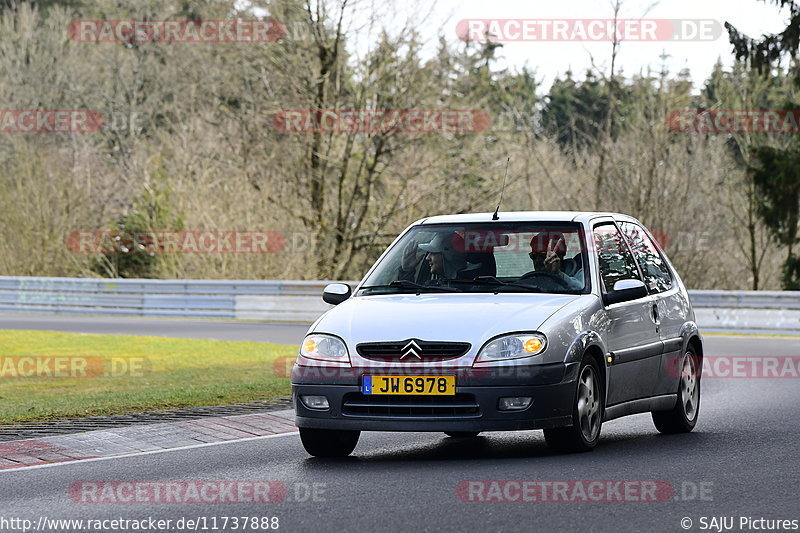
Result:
336,293
625,290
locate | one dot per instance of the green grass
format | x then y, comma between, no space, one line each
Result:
169,373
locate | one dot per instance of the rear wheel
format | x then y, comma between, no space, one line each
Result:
587,414
329,442
462,434
683,417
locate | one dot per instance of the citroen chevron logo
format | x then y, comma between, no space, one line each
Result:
412,348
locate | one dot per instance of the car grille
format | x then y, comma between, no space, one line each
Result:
426,350
458,406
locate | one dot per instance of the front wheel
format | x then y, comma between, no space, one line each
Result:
587,414
329,442
683,417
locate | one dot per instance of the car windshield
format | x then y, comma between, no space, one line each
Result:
484,257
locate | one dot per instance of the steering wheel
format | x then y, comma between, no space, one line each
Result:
554,277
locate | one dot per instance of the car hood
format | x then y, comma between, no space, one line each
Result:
473,318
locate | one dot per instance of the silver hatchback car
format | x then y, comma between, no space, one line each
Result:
527,320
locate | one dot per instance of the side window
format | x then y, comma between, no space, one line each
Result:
616,261
655,271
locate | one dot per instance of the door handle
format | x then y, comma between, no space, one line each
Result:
655,316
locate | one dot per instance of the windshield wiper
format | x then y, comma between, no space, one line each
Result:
406,284
529,287
491,280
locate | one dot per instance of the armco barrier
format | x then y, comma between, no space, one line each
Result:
300,301
291,301
747,310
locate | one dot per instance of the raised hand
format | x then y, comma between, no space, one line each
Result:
552,262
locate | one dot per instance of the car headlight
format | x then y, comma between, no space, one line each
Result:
324,347
512,347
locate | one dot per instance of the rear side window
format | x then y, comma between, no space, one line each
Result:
655,271
614,257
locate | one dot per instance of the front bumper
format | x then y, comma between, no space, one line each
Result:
474,408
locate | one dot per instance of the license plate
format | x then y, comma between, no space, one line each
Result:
418,385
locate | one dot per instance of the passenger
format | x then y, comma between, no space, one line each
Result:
547,253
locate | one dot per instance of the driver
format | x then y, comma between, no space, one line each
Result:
547,253
444,256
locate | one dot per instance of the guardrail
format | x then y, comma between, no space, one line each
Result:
777,311
300,301
291,301
746,299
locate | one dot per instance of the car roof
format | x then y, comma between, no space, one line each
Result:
524,216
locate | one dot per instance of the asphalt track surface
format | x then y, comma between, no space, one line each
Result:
224,330
741,461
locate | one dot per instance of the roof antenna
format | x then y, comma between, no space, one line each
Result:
494,216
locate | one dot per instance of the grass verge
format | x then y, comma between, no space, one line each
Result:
46,375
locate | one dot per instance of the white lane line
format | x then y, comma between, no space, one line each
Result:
149,452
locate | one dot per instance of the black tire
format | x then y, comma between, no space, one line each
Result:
329,442
462,434
683,417
573,438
